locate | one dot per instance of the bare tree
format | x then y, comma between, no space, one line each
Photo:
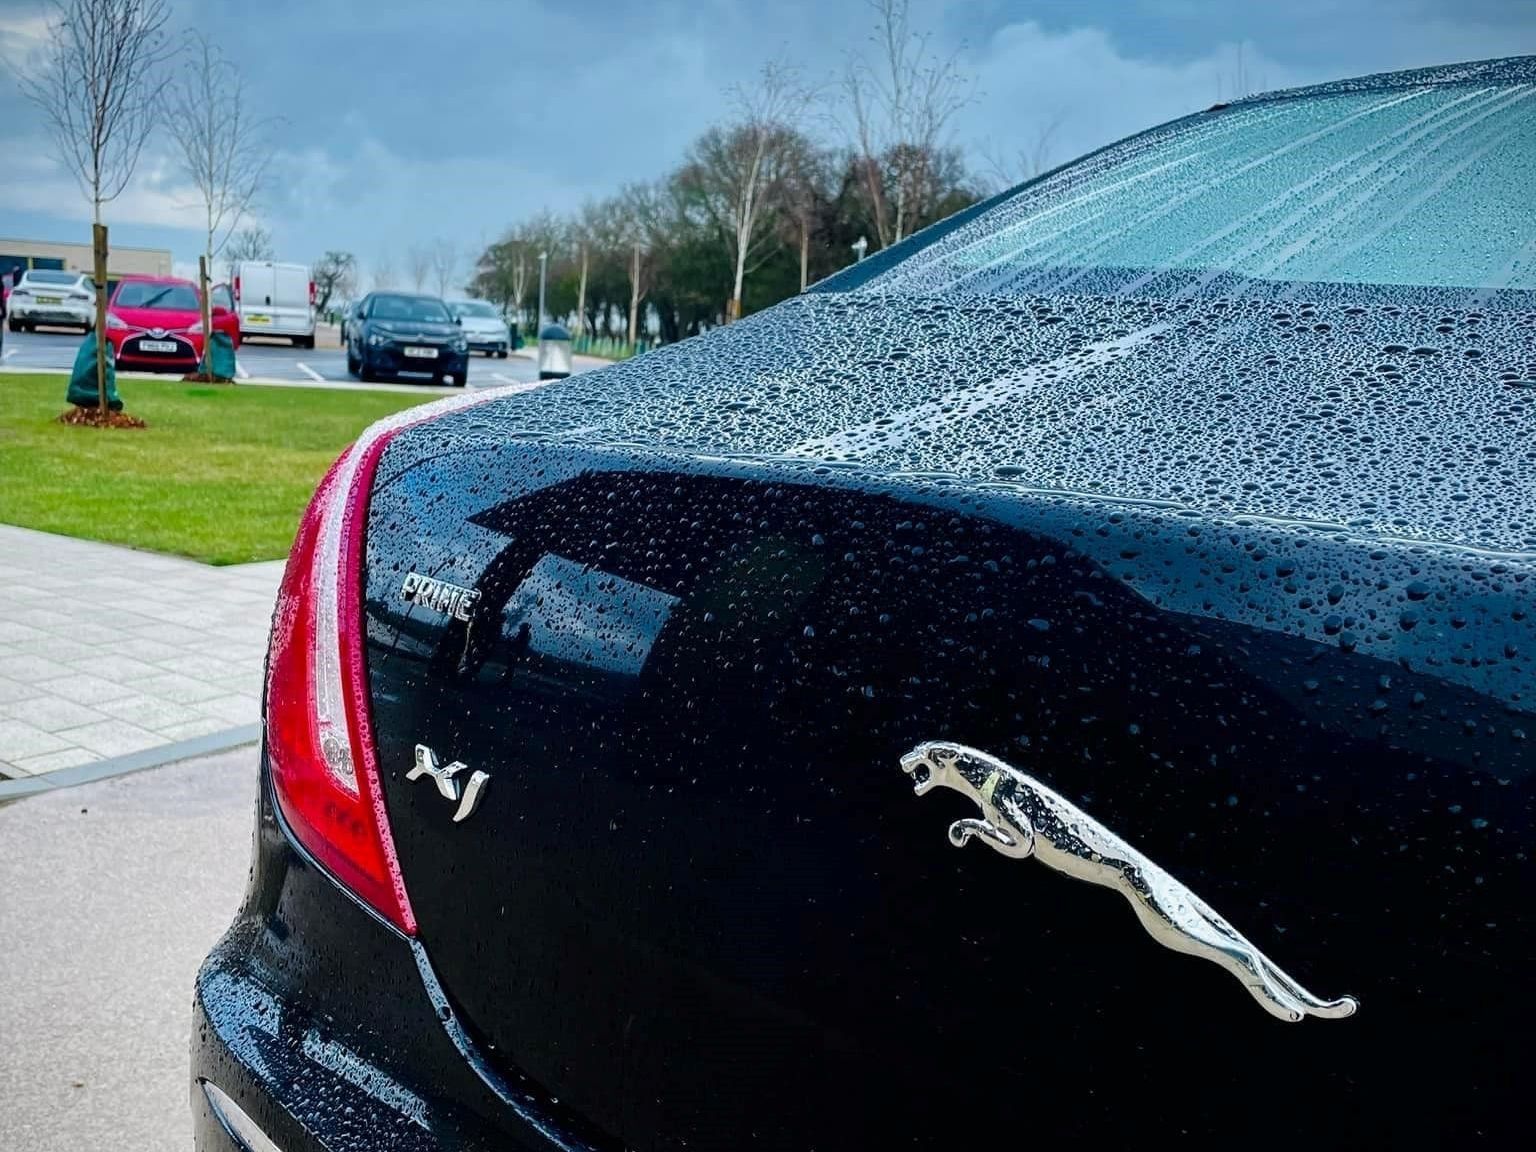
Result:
898,109
1026,163
519,269
605,238
223,150
741,162
252,242
418,266
98,88
583,231
638,209
383,274
335,278
1236,83
801,189
502,272
445,264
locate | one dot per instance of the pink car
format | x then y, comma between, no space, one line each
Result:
155,323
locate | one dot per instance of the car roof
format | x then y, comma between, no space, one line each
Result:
1501,71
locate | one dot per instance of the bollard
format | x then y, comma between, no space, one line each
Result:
554,352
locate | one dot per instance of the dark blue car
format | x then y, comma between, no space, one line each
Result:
1068,680
390,334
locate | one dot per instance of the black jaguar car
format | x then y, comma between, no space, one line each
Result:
1069,677
391,333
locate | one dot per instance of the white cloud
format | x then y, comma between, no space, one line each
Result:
22,33
36,182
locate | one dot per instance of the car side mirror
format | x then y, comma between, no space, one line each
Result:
459,320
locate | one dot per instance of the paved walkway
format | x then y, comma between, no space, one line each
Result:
111,894
105,651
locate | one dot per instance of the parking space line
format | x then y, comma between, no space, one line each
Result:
502,379
240,372
310,372
7,354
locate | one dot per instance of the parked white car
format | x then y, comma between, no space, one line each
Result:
484,329
43,296
276,300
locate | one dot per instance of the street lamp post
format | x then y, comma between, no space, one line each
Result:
543,267
860,246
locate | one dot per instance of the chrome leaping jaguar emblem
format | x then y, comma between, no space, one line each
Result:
446,779
1021,817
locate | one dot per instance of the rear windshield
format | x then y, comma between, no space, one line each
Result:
422,308
62,279
1430,187
474,308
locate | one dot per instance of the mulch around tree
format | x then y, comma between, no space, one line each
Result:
96,418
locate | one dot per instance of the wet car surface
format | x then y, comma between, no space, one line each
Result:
1189,481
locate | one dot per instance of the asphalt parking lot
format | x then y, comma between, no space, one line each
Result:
262,360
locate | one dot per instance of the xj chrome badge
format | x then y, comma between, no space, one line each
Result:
1021,817
446,778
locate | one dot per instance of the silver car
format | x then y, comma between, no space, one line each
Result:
484,329
43,296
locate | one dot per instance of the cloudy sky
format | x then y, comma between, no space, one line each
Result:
403,121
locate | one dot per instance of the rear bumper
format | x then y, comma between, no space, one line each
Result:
262,1065
322,1028
53,313
277,325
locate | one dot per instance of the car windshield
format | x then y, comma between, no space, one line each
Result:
51,279
422,308
171,297
478,308
1427,187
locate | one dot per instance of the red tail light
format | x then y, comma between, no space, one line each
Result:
319,736
237,288
311,293
320,747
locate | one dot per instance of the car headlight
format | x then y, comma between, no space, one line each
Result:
115,321
460,344
374,340
196,329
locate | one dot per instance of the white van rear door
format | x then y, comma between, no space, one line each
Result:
290,286
275,300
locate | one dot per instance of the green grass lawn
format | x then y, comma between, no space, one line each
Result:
221,474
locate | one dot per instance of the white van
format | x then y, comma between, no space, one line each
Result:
276,300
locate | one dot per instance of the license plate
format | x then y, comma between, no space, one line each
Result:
157,345
257,320
50,300
422,353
